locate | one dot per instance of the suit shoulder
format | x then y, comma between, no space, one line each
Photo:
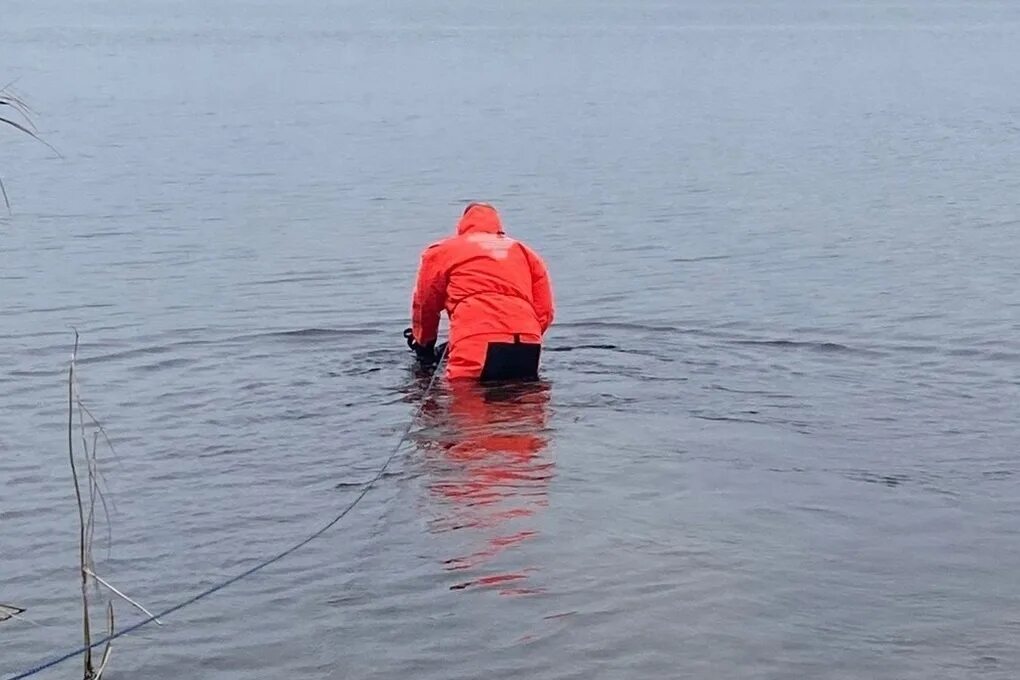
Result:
434,254
530,251
433,249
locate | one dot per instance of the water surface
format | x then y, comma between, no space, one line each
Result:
776,436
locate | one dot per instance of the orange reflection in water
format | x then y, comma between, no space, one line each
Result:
488,474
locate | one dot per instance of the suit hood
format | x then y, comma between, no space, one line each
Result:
479,218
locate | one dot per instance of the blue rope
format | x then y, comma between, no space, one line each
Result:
44,665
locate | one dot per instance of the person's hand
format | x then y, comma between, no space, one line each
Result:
426,353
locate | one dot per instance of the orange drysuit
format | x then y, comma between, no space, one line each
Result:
493,288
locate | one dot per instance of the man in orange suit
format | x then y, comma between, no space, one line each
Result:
497,295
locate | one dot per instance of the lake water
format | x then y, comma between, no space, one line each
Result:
777,434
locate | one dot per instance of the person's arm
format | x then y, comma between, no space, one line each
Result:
429,297
541,290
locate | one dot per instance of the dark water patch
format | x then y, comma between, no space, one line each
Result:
65,308
134,353
824,347
176,362
299,415
351,598
889,479
996,356
740,417
828,512
994,224
704,258
750,392
574,348
39,373
100,234
317,334
921,316
222,450
297,278
354,370
350,485
142,263
378,460
615,325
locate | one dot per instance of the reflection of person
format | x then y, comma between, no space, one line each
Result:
496,293
487,469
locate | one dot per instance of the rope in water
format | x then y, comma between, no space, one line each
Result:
44,665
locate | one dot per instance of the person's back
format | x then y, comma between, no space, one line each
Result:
497,294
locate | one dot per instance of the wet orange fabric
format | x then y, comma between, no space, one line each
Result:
491,286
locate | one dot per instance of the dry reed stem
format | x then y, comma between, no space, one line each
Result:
25,125
20,616
82,529
124,597
109,645
87,518
9,611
